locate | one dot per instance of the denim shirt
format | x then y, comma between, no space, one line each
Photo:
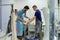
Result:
21,14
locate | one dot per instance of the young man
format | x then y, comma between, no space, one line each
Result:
38,18
19,21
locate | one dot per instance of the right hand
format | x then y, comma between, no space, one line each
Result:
24,21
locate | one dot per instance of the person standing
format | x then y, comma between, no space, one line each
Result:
20,21
38,23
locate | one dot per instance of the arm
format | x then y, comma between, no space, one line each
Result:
31,19
27,17
20,19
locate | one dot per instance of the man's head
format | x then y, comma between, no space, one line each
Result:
26,8
34,7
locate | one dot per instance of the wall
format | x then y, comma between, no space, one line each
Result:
7,1
0,14
5,13
21,3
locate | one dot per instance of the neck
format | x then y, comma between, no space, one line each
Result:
24,9
36,9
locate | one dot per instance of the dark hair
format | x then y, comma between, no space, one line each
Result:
26,7
34,6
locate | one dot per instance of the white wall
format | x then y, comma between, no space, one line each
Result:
7,1
19,4
0,15
5,13
5,16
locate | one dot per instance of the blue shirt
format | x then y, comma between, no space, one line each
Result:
21,14
38,15
19,24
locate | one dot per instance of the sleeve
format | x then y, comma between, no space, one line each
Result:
40,16
35,14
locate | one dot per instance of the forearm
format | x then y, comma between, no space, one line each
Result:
27,17
31,19
20,19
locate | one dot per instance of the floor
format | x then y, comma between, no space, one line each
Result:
9,37
4,37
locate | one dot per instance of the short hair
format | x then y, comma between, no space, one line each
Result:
26,7
34,6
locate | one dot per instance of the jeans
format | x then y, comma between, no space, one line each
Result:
38,29
25,28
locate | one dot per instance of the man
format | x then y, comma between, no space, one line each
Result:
38,18
19,21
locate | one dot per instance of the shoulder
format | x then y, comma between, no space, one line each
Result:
37,11
19,11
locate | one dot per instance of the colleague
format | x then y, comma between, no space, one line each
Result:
20,21
38,23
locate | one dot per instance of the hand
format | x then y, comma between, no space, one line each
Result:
26,23
27,17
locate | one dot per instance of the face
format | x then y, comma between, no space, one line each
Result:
26,9
34,8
